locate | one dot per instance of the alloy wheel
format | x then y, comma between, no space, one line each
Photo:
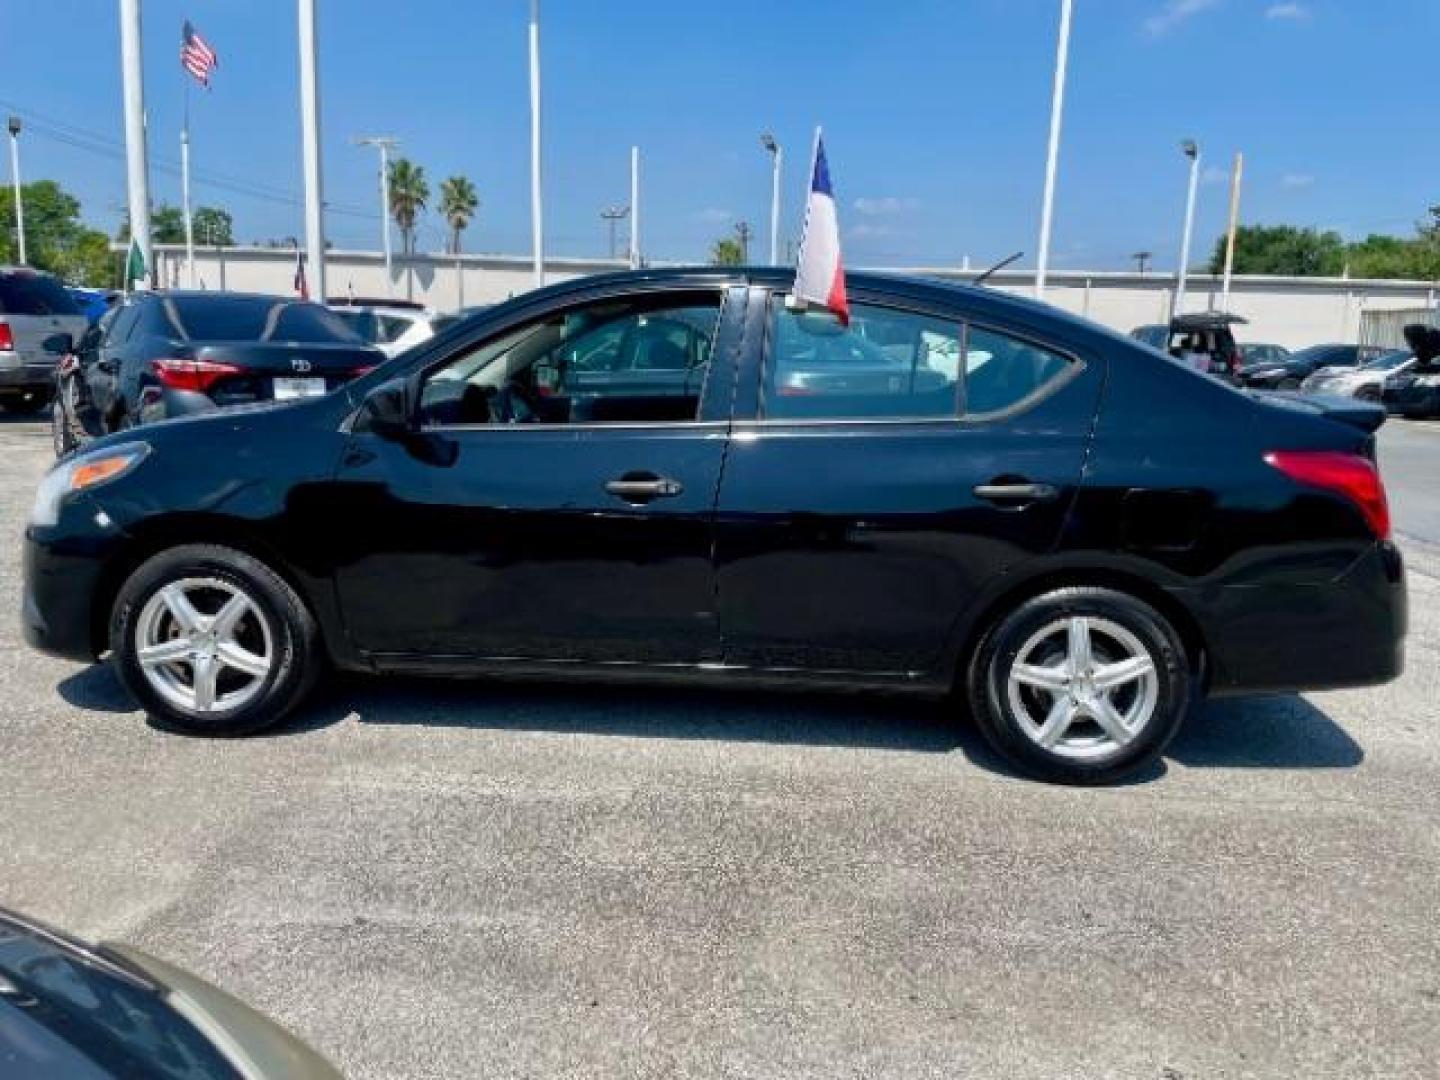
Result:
204,645
1083,687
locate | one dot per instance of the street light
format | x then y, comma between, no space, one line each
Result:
1052,155
777,154
383,143
611,216
14,127
1191,149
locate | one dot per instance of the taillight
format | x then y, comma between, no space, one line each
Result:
1349,475
198,375
356,373
7,338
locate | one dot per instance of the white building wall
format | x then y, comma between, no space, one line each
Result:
1287,311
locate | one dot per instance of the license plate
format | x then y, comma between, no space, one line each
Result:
288,388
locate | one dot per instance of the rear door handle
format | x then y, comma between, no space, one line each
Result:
1017,493
641,489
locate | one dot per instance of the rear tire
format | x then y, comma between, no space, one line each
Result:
211,641
1080,685
66,431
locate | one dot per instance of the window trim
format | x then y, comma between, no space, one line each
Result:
723,297
963,419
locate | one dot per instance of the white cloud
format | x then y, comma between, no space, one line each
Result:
885,206
1291,11
713,215
1175,12
866,231
1296,180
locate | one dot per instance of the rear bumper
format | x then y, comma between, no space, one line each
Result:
1343,633
18,376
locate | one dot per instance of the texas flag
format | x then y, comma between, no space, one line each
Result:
820,273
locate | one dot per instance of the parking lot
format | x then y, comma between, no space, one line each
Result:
456,880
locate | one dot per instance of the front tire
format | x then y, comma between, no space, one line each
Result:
1080,685
211,641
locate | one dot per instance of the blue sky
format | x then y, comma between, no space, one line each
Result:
935,114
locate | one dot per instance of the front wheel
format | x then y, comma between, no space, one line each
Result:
1080,685
213,642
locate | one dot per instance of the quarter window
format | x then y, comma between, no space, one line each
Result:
638,360
894,364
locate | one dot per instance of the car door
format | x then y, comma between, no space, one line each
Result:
859,517
100,366
523,522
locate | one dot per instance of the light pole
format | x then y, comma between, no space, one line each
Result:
1052,156
15,178
537,226
310,135
743,232
1235,179
777,155
611,216
383,143
137,164
634,209
1191,150
1141,259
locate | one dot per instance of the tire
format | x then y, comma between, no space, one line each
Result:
66,431
1018,716
1369,394
271,634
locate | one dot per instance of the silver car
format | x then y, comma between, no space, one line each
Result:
1365,382
33,306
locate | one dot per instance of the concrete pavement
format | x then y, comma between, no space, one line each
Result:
451,880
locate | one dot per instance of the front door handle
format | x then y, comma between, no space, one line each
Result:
642,488
1020,492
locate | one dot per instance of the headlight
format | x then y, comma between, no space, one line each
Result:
82,472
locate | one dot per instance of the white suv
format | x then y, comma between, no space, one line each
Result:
33,306
392,328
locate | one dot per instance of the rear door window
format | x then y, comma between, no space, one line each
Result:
34,294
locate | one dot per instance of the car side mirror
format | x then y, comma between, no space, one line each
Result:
386,411
58,344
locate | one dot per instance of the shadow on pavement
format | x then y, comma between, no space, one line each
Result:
1285,732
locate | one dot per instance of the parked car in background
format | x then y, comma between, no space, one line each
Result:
1299,366
33,306
164,354
1365,382
92,302
1076,538
74,1011
1206,335
1413,393
391,326
1252,354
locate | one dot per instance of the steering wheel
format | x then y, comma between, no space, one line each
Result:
513,404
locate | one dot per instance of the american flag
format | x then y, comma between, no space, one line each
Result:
196,55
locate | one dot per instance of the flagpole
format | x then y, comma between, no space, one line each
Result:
1057,112
185,186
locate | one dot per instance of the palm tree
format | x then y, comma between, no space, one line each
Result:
408,195
458,203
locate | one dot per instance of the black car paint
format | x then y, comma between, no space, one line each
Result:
851,551
1301,365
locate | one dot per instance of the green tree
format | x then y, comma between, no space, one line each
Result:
55,238
1283,250
727,252
409,193
458,203
213,226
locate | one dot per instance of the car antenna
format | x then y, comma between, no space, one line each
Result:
997,268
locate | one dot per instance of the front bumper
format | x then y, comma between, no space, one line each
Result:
64,579
1285,637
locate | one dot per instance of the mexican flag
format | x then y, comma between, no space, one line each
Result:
134,264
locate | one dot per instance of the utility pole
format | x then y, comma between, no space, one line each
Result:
310,133
1057,111
1234,227
1141,259
613,215
15,179
537,226
1191,150
634,209
744,232
383,143
777,154
137,164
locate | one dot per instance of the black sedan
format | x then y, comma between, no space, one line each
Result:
1289,373
166,354
1028,511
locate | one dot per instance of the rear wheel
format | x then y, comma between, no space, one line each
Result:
66,431
1080,685
213,642
1368,393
